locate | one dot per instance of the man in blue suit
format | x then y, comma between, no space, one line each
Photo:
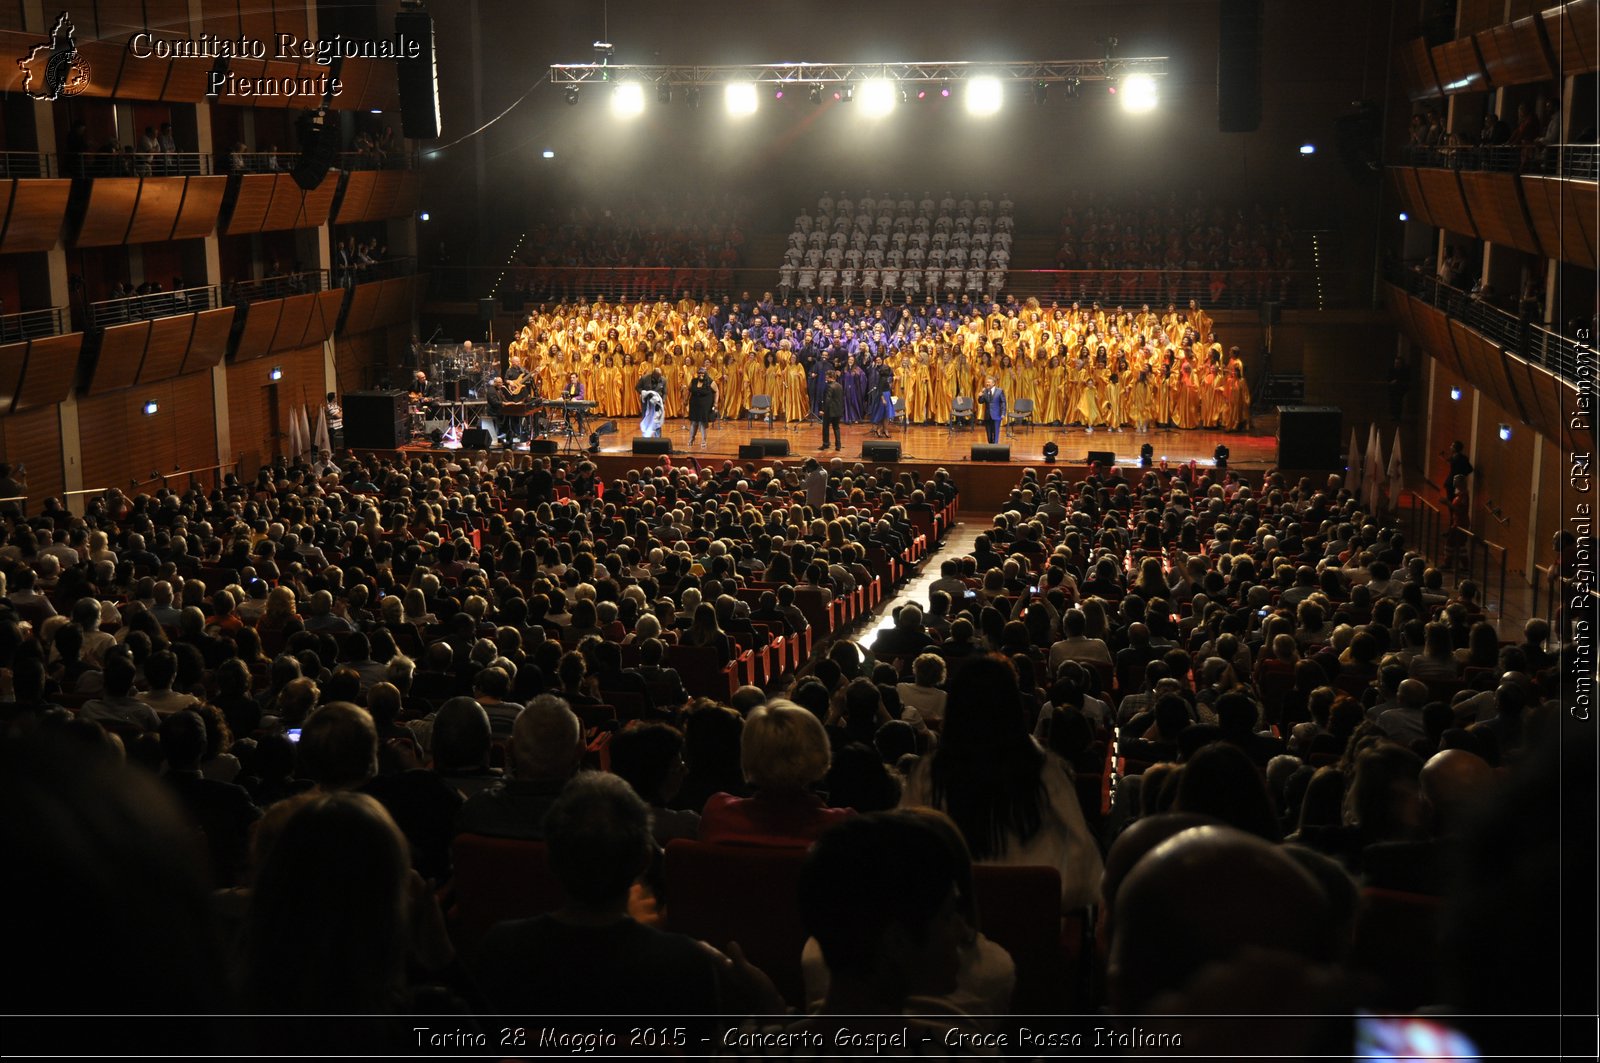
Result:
993,402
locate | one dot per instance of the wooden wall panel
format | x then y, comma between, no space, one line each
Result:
187,81
260,325
1495,202
1417,61
167,16
123,445
1474,15
289,16
165,350
291,330
1433,329
1458,66
363,307
1573,29
202,200
32,441
353,205
13,359
209,343
1514,53
51,371
1503,470
251,203
109,213
34,214
1486,368
160,201
325,315
1452,419
1441,190
258,407
121,353
1562,213
142,79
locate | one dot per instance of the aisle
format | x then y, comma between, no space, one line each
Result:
957,541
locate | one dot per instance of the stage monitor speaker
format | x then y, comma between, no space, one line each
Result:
1309,438
881,449
752,450
1104,457
772,448
647,445
1239,66
543,446
477,439
486,308
375,419
418,77
991,452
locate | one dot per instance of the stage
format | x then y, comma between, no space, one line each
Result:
925,448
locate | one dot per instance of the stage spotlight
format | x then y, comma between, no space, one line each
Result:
984,96
778,94
944,91
1146,456
1308,149
816,94
922,94
663,93
627,99
1071,86
572,95
877,97
1404,216
594,442
1041,91
1220,455
1050,452
1505,432
740,98
1455,394
691,96
1139,94
423,216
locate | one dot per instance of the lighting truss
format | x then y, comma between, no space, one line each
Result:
800,74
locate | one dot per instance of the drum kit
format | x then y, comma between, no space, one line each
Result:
450,394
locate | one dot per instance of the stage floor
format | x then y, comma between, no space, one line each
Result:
1255,450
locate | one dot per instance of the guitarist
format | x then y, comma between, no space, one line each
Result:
499,395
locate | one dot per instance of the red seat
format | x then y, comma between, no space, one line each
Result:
1019,909
1396,941
703,673
497,879
722,893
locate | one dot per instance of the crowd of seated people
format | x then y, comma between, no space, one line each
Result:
1525,138
1149,247
885,247
306,692
635,247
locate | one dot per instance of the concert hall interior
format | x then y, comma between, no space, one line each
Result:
498,495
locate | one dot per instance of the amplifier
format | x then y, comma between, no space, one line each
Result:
991,452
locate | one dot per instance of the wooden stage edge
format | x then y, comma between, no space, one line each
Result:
984,485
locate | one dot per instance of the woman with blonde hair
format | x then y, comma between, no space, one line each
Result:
783,753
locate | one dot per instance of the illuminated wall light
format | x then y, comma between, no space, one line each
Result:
547,153
1404,216
1139,94
739,97
1308,149
275,373
1505,432
1455,394
423,216
627,99
984,96
150,407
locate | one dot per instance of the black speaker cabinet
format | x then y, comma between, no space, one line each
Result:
646,445
375,420
418,77
881,449
1309,437
991,452
543,446
477,439
752,450
1104,457
772,448
1239,66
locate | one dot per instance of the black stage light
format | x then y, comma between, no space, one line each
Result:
572,94
1050,452
1146,456
594,442
816,94
664,93
1221,455
691,96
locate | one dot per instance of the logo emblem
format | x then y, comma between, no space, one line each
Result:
53,69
